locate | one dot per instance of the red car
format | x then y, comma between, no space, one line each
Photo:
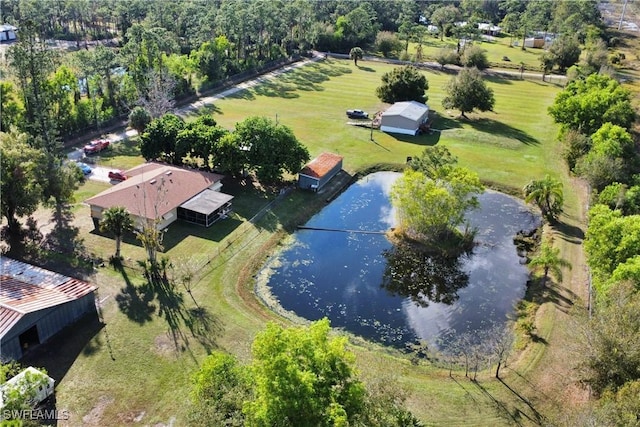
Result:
117,175
96,146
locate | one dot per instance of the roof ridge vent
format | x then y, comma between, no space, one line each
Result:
153,181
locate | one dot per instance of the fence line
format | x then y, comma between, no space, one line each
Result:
246,231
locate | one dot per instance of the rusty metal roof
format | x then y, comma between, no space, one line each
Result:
8,318
321,165
25,288
26,298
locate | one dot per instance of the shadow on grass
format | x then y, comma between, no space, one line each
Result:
539,419
556,294
569,233
441,122
136,302
538,392
278,88
64,237
563,298
430,138
58,354
206,110
180,230
463,388
538,339
502,80
201,324
308,78
495,127
246,94
327,69
367,69
514,418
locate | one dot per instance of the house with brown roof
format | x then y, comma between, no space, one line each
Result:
163,193
35,304
319,171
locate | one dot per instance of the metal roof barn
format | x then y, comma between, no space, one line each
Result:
35,304
404,117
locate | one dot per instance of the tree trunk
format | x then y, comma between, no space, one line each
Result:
118,240
498,369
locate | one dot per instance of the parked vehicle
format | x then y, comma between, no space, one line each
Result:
117,175
85,168
96,146
357,114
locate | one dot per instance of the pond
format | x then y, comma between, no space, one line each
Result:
367,286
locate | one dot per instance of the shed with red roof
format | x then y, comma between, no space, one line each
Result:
319,171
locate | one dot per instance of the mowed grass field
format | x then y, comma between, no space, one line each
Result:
497,48
132,369
511,145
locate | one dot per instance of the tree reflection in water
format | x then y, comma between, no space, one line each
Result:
424,275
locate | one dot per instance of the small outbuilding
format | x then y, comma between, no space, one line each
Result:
28,380
36,304
489,29
7,33
319,171
404,117
534,42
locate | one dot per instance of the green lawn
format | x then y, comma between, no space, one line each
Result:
515,139
123,154
497,48
133,368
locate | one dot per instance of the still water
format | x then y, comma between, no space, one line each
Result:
365,285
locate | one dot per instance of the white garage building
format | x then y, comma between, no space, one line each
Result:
404,117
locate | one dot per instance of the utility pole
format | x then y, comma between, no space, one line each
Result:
624,9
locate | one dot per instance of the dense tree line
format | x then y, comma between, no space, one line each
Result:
257,145
151,53
596,116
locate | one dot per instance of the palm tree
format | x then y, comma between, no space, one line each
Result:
549,260
547,195
355,54
116,220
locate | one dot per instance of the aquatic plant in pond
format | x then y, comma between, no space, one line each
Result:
368,286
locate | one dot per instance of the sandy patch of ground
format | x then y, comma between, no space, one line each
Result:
94,417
